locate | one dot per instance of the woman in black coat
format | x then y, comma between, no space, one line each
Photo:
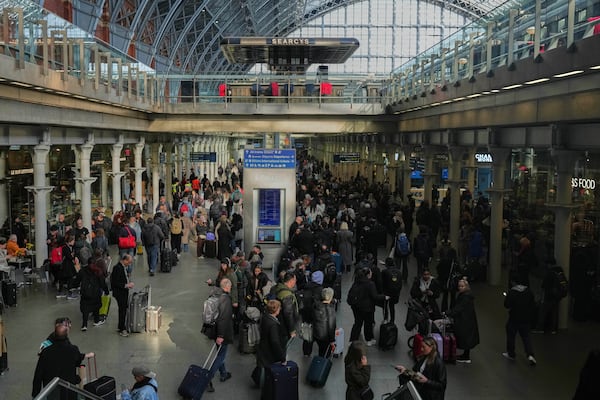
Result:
357,370
465,321
429,372
364,308
224,238
93,284
271,348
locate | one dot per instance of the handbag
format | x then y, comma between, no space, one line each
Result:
127,242
306,332
367,393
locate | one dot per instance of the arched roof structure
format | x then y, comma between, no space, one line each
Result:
182,36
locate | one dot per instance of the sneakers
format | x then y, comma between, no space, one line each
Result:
100,322
463,359
151,273
210,388
83,328
371,342
124,333
532,361
72,296
61,296
508,356
225,377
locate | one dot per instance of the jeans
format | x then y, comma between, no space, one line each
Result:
152,256
523,329
362,317
219,363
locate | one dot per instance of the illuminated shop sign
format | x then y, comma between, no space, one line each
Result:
483,157
582,183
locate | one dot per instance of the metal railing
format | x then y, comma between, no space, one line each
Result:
60,389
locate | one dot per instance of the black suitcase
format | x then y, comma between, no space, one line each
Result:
281,382
104,387
9,293
166,262
197,378
136,314
3,355
210,249
174,258
388,331
319,369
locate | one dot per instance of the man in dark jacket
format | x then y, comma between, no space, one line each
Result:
224,331
364,307
120,286
284,292
271,348
391,277
58,357
521,306
152,237
324,322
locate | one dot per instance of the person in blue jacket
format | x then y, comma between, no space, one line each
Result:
145,386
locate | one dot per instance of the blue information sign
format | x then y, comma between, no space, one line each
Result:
203,156
269,207
269,158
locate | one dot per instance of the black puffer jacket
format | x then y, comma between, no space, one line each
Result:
324,322
369,296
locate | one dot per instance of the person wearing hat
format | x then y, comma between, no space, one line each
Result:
58,357
145,386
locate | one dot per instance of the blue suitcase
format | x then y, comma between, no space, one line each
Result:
318,372
337,260
281,382
197,378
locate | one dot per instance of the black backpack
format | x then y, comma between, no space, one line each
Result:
395,283
354,295
89,286
422,246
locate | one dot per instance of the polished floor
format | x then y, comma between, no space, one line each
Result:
180,343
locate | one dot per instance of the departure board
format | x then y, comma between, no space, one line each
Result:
269,207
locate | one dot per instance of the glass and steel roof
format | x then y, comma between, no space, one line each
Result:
183,36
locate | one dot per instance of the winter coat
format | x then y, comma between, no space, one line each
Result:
466,328
60,359
357,379
152,235
224,238
324,322
369,296
224,323
271,348
289,315
344,246
435,372
520,304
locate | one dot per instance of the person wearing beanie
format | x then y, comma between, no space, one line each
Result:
145,386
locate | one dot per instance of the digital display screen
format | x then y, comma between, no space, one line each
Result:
268,235
445,174
269,207
416,175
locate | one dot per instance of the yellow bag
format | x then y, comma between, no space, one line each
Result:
140,249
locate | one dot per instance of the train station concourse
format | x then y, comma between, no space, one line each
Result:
105,104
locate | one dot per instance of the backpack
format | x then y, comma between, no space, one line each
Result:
89,287
395,282
56,256
330,274
422,246
561,284
176,226
402,245
184,209
210,314
354,295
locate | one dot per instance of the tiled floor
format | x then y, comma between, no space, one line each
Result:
180,343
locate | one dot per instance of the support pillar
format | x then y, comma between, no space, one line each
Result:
116,175
138,152
169,163
85,152
3,191
454,181
471,168
497,191
155,177
40,198
564,160
104,185
76,169
428,175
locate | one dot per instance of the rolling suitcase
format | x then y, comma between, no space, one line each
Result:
136,314
281,382
174,257
197,378
166,262
9,293
244,346
450,348
439,341
415,342
338,351
3,349
104,387
337,260
319,369
388,331
153,315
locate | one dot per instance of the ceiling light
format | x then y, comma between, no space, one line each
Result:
537,81
595,67
577,71
518,85
486,92
472,96
27,85
495,91
459,98
446,101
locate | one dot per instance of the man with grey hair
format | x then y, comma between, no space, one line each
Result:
324,321
224,331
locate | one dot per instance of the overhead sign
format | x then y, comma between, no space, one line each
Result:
483,157
346,158
269,158
203,157
583,183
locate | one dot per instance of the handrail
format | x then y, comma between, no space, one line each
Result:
57,383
